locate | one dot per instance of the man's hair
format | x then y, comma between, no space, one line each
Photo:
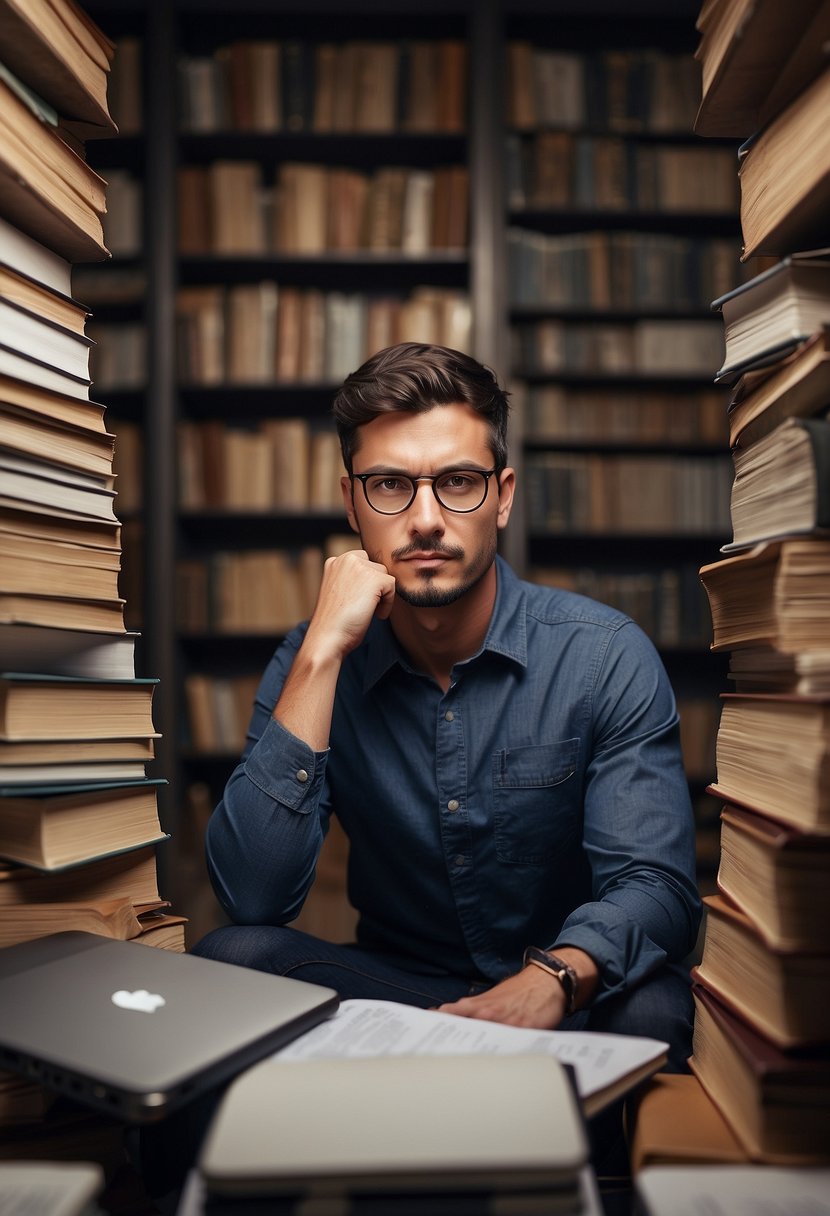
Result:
414,377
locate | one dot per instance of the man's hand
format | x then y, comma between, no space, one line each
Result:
529,998
532,997
354,589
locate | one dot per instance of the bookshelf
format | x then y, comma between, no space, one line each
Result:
250,322
619,224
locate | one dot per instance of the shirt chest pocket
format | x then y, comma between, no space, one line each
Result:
536,801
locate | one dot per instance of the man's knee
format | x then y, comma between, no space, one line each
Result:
253,946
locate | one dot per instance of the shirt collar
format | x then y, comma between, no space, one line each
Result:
507,634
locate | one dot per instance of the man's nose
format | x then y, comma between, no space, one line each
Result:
425,515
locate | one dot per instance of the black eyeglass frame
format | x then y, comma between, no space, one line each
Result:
433,478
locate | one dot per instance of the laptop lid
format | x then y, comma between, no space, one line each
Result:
396,1123
136,1031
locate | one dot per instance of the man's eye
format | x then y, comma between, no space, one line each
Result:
456,481
387,485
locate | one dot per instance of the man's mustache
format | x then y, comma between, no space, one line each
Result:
427,546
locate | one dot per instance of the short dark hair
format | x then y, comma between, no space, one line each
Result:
415,377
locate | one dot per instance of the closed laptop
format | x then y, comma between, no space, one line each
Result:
137,1031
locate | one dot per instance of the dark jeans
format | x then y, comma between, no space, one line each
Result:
659,1008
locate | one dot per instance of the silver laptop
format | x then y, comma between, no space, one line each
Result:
137,1031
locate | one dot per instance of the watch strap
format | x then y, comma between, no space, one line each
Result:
557,967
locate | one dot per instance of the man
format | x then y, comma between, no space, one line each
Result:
504,758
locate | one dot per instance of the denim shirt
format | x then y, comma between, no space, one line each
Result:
540,800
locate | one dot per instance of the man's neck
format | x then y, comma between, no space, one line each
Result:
435,639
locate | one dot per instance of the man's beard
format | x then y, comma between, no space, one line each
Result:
429,596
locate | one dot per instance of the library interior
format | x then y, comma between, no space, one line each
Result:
591,239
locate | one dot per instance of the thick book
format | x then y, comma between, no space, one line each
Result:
38,569
782,484
49,404
784,177
25,481
776,594
67,652
762,669
671,1120
62,54
797,386
754,58
782,993
48,190
766,317
45,341
49,523
25,291
48,755
115,918
22,253
50,826
776,1102
34,706
126,872
60,612
771,755
779,878
31,434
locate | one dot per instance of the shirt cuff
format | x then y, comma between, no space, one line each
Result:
286,769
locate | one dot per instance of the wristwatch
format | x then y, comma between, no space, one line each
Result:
557,967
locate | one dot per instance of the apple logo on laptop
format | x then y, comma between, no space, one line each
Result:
141,1000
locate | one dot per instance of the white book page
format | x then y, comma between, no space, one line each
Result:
362,1028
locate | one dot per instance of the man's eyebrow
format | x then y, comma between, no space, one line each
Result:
473,466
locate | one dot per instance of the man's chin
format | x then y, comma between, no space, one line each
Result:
429,595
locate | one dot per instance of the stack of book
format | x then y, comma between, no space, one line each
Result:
762,987
78,816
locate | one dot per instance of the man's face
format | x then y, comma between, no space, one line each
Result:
434,554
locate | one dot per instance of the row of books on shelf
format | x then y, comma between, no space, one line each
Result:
252,591
618,270
667,603
262,332
277,464
557,412
650,494
554,170
624,90
635,348
227,207
354,86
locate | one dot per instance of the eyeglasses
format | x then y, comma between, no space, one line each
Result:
457,490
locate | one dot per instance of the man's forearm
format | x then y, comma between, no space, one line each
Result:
307,699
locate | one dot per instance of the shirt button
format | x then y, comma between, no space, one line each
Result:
301,774
449,716
453,804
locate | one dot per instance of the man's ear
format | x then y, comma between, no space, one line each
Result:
346,486
507,488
